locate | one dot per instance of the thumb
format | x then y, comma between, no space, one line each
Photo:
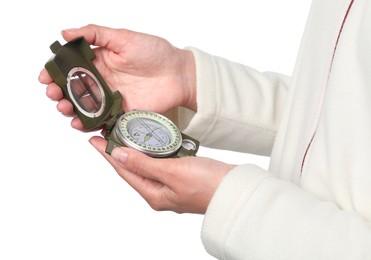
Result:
141,164
95,35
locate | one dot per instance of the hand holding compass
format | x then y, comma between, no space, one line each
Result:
145,89
96,106
144,68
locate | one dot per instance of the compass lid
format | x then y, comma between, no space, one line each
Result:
72,69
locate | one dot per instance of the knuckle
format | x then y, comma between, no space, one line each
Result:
157,205
171,170
159,202
135,165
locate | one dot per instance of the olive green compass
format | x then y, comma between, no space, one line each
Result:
72,70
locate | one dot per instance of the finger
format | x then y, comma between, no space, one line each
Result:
100,144
65,107
145,187
54,92
44,77
77,124
97,35
143,165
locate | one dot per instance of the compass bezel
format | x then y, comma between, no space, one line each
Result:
167,125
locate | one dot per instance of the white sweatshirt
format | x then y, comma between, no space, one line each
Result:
315,200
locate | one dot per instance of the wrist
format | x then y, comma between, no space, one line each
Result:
188,72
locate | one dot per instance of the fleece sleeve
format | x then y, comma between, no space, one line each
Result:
238,108
254,215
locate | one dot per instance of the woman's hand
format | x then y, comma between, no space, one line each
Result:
183,185
149,72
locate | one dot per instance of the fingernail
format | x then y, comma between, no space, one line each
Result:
119,155
68,30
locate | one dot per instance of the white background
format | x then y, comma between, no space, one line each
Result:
59,199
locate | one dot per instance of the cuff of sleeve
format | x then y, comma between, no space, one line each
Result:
199,123
231,196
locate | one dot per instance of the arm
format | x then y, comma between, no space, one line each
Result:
255,214
252,214
238,108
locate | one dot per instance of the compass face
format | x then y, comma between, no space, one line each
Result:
149,132
86,92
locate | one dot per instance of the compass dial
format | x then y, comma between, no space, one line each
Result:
149,132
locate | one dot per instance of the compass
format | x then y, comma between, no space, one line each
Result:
152,134
97,106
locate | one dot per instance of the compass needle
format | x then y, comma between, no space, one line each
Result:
147,137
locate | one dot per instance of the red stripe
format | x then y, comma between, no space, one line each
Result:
341,30
306,152
332,61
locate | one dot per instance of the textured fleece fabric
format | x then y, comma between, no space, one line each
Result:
314,201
